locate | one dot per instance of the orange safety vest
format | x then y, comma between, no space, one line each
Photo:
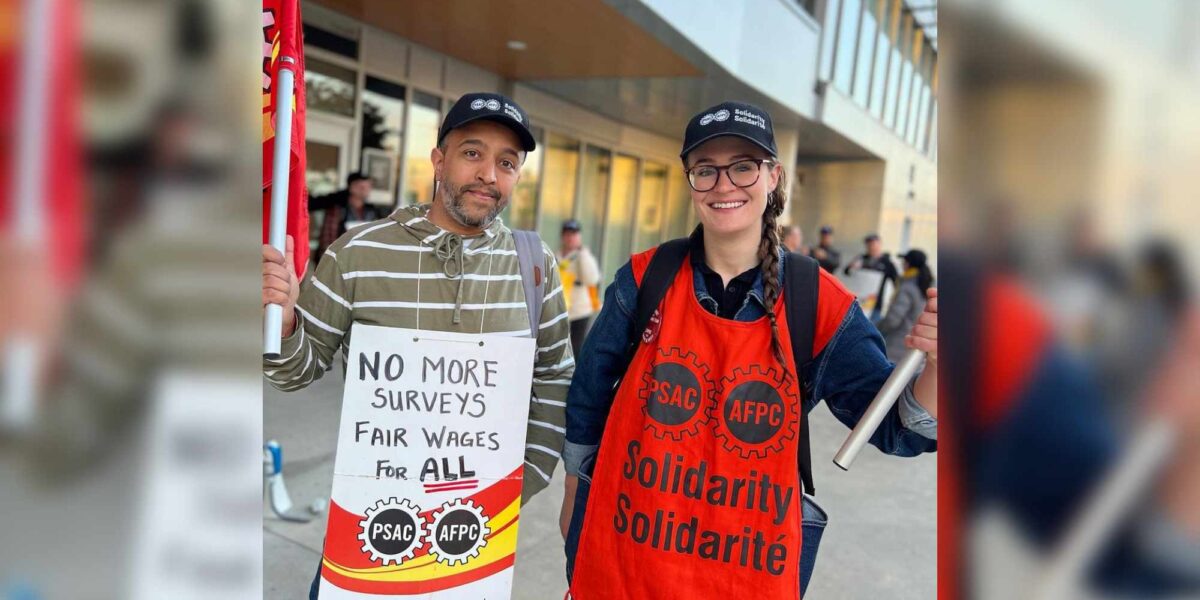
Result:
696,490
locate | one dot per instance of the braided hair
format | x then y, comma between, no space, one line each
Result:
768,259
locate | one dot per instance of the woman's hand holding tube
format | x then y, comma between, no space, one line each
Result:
924,337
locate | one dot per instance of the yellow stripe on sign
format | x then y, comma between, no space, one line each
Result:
499,547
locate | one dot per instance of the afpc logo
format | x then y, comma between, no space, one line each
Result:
718,116
458,531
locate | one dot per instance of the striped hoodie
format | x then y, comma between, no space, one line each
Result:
404,271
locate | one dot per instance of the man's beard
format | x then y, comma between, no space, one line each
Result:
454,203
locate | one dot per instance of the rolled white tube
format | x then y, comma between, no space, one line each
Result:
277,235
884,399
1106,509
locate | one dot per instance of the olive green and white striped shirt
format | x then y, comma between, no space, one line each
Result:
404,271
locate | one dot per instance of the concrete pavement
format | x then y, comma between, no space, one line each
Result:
880,543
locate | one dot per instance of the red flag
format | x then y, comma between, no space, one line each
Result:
283,37
58,169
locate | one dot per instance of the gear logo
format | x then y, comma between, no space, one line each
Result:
721,115
492,104
458,531
477,104
752,418
391,531
676,393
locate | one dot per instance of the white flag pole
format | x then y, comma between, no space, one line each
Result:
878,409
273,327
22,352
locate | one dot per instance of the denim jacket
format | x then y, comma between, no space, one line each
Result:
846,374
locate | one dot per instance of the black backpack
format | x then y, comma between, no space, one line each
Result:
802,278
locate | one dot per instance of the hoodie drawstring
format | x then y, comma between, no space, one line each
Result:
449,249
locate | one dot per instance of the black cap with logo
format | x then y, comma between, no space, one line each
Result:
493,107
730,118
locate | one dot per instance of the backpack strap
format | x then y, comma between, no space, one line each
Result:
802,278
529,257
659,276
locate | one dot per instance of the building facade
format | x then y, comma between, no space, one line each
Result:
609,86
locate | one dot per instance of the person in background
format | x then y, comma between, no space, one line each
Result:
793,239
580,277
344,209
908,304
877,260
827,256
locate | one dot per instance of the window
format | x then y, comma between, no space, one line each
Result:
879,77
918,86
327,40
424,117
904,39
561,164
846,43
888,11
926,109
329,87
914,107
905,91
618,230
382,124
521,212
679,206
828,33
593,195
893,87
866,52
651,196
932,143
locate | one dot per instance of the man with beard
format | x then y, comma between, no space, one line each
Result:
450,265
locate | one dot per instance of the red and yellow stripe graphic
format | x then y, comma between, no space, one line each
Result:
348,567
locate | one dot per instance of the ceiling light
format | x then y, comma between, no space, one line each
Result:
516,45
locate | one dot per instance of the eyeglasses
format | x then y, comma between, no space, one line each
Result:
743,174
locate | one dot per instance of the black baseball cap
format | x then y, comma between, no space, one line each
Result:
914,258
571,225
730,118
825,230
493,107
871,237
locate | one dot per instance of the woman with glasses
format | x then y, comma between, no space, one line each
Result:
685,435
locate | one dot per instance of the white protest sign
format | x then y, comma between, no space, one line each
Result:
194,509
427,479
864,284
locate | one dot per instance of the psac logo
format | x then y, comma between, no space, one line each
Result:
720,115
